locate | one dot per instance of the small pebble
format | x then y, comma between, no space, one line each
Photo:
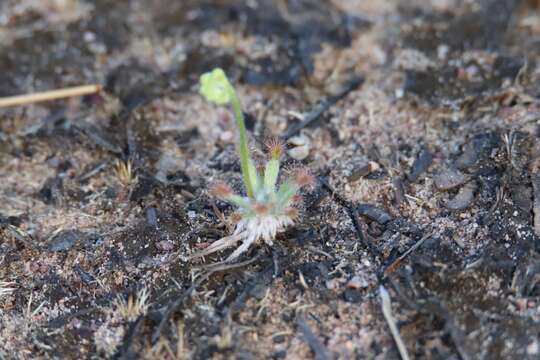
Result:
36,267
449,179
533,348
151,216
357,283
89,36
463,198
300,147
363,170
352,295
165,245
64,241
374,213
278,339
226,136
421,164
478,149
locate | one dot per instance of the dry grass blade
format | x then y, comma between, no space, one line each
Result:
218,245
171,308
131,309
6,288
387,312
124,173
49,95
395,265
312,340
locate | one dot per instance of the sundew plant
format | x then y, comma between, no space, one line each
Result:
267,208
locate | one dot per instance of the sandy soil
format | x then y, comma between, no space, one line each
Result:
427,170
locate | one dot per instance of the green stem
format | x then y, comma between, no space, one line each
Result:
244,150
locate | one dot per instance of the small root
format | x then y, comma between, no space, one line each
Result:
241,249
218,245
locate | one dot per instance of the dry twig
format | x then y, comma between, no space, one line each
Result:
49,95
387,312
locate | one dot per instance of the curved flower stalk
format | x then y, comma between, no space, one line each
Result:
268,208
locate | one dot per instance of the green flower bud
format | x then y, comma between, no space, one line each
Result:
215,87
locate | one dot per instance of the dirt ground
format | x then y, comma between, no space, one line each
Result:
424,140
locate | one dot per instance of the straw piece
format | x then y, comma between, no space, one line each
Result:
49,95
387,312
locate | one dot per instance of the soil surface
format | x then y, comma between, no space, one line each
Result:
420,120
